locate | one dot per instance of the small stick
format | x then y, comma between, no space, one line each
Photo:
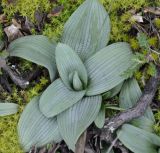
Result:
80,146
138,110
112,145
15,78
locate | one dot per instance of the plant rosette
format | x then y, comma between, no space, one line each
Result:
86,70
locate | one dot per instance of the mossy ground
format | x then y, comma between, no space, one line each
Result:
120,13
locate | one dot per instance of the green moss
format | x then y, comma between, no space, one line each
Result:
8,134
56,33
1,32
26,65
55,27
153,41
120,15
151,70
157,125
155,56
138,75
26,8
134,43
157,23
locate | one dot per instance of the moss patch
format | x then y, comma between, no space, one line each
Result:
26,8
8,134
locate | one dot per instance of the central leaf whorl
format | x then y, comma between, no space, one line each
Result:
71,68
75,81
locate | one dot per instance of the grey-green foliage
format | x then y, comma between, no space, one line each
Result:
138,140
34,129
58,98
38,49
100,119
77,118
8,108
112,92
87,69
139,136
78,30
129,95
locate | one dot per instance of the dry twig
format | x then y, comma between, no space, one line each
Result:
15,77
132,113
80,146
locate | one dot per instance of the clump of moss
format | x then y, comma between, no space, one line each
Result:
8,134
1,32
157,23
134,43
26,8
120,13
55,27
157,125
34,91
56,33
153,41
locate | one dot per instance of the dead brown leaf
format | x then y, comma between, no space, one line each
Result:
55,12
154,10
2,62
15,23
3,18
12,32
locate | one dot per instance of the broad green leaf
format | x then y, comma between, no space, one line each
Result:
68,62
74,121
138,140
57,98
37,49
4,54
113,92
35,129
8,109
143,123
88,29
100,119
106,67
130,94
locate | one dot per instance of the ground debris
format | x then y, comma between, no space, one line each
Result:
154,10
13,32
